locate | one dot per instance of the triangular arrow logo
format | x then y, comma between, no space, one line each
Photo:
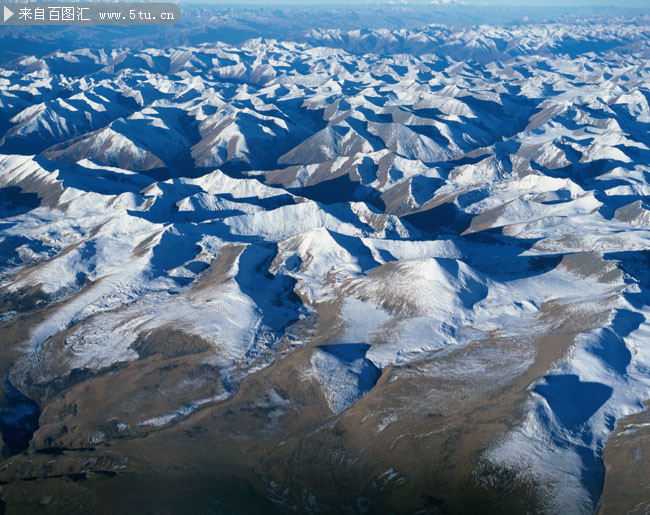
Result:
7,13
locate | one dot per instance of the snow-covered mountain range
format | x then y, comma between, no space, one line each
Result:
412,263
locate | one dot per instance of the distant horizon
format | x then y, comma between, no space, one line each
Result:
625,4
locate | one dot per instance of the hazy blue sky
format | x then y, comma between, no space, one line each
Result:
541,3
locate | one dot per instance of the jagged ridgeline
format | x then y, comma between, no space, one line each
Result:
340,271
